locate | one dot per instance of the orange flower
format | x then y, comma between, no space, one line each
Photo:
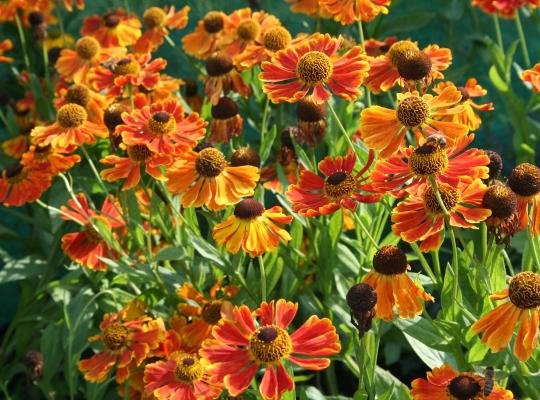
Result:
74,65
125,344
340,188
376,47
226,121
23,183
156,21
384,70
384,129
241,348
421,218
270,177
223,78
349,11
93,102
393,285
524,180
468,116
504,8
69,4
411,166
253,228
204,178
52,160
17,146
5,45
85,247
315,65
162,127
533,77
71,128
523,309
309,7
444,383
113,29
203,312
204,40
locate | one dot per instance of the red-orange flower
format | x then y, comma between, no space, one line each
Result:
411,166
421,218
17,146
308,7
532,76
86,246
384,129
69,4
340,187
93,102
23,183
113,29
498,325
5,45
50,159
223,78
349,11
376,47
444,383
162,127
226,121
524,180
314,66
203,42
241,348
394,286
504,8
125,344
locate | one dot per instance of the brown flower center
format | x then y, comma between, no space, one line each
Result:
113,115
524,180
413,111
248,30
115,336
210,162
339,184
92,235
276,38
524,290
127,66
309,111
87,47
269,344
188,369
390,260
245,156
15,173
219,64
428,159
71,116
139,153
464,387
211,312
213,22
495,164
449,196
161,123
225,108
314,67
78,94
416,66
401,50
153,17
111,20
500,200
248,209
361,297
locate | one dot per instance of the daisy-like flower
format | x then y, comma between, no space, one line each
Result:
411,166
393,285
242,347
350,11
226,121
180,376
308,7
157,22
340,187
405,61
204,40
125,344
204,313
376,47
523,309
71,128
73,65
384,129
444,383
23,183
524,180
17,146
532,76
162,127
314,67
223,78
311,117
93,102
113,29
468,116
205,178
69,4
5,45
421,218
50,159
504,8
86,246
135,70
503,222
252,228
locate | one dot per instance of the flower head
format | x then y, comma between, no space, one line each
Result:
115,28
204,40
524,180
5,45
223,78
349,11
532,76
22,183
504,8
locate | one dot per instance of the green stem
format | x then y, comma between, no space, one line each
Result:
363,43
130,94
365,230
522,40
534,250
265,119
424,263
263,278
498,31
23,41
343,130
94,169
361,361
56,210
61,25
483,242
437,264
374,357
508,263
126,6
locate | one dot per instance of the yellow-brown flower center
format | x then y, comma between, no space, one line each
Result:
42,152
428,159
188,369
245,156
78,94
15,173
153,17
269,344
276,38
524,180
361,297
500,200
115,336
248,209
211,312
219,64
225,108
416,66
413,111
449,196
87,47
401,50
524,290
248,30
92,235
161,123
339,184
309,111
213,22
495,164
139,153
71,116
210,162
390,260
111,20
314,67
464,387
127,66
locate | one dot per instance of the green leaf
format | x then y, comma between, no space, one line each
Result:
496,79
171,253
268,141
17,270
